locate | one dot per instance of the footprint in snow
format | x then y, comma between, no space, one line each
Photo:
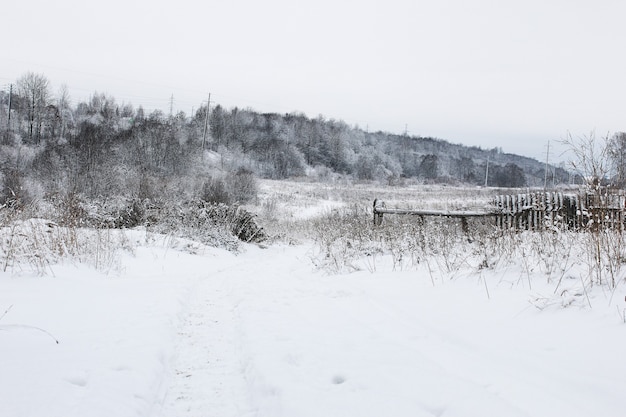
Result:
77,380
338,379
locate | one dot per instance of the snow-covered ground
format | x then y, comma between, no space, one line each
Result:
193,331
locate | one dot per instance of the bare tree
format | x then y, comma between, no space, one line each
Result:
590,158
34,89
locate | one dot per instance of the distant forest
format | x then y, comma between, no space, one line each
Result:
100,148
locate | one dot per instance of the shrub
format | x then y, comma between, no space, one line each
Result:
12,193
241,186
215,225
214,191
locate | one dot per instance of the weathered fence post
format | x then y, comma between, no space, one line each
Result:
378,215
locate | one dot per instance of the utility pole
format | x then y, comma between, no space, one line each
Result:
171,105
32,117
206,123
10,100
545,180
487,172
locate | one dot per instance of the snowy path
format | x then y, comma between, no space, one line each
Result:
208,376
269,337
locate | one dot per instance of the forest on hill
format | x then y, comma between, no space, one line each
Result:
101,148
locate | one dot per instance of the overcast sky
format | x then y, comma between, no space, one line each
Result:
512,74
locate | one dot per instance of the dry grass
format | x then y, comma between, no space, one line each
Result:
345,239
34,245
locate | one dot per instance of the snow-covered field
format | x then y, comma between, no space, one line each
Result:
178,329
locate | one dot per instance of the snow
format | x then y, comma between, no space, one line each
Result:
203,332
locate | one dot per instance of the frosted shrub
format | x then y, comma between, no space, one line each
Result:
90,233
215,225
242,186
606,256
234,188
214,191
346,240
342,237
35,245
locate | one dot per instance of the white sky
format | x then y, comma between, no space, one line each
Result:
513,74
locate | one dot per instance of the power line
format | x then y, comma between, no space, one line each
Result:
545,180
156,102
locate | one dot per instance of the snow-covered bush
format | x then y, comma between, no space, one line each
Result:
237,187
347,240
67,227
35,245
216,225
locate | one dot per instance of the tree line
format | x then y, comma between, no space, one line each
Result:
100,148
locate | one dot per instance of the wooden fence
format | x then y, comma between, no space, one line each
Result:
380,209
541,210
537,211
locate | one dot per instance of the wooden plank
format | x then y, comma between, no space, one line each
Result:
442,213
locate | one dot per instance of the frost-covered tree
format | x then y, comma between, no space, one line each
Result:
66,116
34,90
617,153
429,167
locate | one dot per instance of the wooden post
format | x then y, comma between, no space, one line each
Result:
465,227
378,216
